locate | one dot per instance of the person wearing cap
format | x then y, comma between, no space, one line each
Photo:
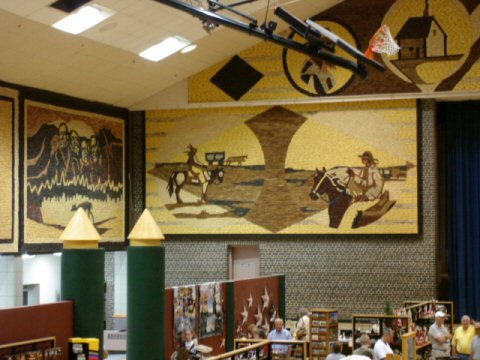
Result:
439,336
475,348
369,178
463,338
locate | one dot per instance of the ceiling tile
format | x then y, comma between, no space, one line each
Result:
102,64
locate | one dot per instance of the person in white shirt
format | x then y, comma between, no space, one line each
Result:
279,333
440,336
303,325
382,346
475,350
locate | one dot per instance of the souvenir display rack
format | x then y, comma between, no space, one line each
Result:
35,349
422,316
323,332
373,326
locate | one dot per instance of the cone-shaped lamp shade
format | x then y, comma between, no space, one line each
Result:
146,231
80,232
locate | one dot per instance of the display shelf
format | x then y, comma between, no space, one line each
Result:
424,345
373,325
323,332
422,316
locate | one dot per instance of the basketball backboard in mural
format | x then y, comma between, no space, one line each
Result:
295,169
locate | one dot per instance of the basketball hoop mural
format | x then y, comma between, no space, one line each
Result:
426,46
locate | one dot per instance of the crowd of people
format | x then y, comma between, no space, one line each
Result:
464,344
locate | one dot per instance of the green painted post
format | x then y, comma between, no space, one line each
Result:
281,295
146,303
82,281
230,315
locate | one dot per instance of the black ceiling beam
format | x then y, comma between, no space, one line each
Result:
215,6
306,49
302,29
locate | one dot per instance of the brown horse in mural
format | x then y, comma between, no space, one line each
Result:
333,183
178,179
340,193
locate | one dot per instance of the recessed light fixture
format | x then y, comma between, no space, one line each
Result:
83,19
26,256
166,48
57,254
188,48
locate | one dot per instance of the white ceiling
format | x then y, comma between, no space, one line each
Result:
102,64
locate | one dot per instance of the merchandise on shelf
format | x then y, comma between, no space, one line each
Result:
323,332
373,325
422,316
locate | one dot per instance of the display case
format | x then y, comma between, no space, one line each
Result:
373,326
422,316
323,332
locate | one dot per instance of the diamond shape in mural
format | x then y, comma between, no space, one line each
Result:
236,78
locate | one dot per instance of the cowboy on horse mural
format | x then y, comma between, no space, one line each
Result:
197,174
343,187
369,179
196,170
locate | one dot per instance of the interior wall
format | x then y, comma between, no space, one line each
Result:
353,274
45,271
120,283
11,280
50,320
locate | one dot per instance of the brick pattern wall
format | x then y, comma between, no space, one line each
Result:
352,274
137,165
110,288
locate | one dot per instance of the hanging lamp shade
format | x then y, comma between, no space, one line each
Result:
80,232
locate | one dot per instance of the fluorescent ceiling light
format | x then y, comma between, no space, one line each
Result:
83,19
26,256
188,48
57,254
164,49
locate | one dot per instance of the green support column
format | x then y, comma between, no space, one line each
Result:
281,295
146,303
83,276
83,282
230,316
146,291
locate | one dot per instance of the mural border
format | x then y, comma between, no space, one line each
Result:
422,108
11,96
75,104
